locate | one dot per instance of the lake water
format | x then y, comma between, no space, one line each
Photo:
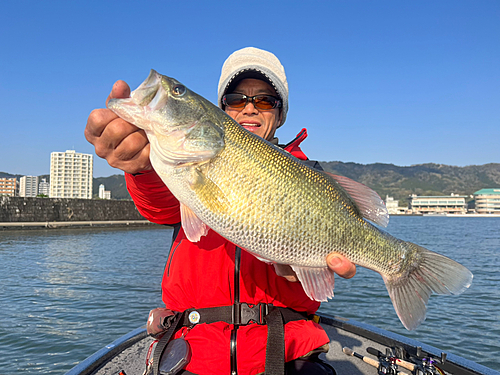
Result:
67,293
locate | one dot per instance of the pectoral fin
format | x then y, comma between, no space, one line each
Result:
192,225
209,193
318,283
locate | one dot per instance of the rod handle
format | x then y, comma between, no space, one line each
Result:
368,360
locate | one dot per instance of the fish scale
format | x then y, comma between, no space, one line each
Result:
266,201
289,228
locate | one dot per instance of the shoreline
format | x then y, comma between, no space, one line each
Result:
74,224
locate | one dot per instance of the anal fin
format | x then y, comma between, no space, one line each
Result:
318,283
192,225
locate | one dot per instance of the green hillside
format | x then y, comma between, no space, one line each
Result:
421,179
385,179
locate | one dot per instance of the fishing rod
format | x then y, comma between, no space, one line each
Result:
385,365
388,364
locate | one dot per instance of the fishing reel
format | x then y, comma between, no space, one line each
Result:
421,363
428,363
387,363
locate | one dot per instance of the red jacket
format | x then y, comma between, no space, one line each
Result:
201,274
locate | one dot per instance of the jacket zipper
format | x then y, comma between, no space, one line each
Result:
170,258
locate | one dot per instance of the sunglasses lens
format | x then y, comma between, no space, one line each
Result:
235,100
259,101
264,102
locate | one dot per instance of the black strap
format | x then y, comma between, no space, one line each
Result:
275,349
274,317
239,314
163,342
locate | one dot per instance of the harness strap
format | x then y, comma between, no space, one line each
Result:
163,342
275,349
239,314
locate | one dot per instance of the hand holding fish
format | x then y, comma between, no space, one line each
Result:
336,262
122,144
267,202
126,147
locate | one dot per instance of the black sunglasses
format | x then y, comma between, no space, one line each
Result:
259,101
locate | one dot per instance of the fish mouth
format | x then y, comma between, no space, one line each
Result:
149,93
144,101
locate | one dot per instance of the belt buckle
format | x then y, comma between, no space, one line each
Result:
249,314
263,311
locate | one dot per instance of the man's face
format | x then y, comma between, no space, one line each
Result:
260,122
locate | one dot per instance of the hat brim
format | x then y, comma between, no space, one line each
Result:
249,73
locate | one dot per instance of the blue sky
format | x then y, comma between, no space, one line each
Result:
402,82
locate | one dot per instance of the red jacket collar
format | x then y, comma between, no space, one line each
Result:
293,147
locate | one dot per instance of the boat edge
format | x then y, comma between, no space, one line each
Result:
454,364
102,356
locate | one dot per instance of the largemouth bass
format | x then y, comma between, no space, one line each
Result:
266,201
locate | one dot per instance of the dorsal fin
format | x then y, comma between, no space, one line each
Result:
192,225
369,203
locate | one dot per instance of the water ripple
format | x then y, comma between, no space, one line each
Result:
67,293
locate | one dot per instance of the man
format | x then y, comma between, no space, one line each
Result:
213,273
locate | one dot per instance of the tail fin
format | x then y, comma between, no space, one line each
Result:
434,273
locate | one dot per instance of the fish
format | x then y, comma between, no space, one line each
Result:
271,204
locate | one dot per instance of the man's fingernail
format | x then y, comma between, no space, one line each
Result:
335,261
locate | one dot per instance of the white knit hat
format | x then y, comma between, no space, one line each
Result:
252,62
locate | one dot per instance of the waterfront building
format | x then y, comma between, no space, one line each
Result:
447,204
44,187
392,206
8,186
28,186
487,201
71,175
103,193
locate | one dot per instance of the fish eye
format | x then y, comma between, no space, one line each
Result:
179,90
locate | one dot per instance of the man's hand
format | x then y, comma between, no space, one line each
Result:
341,265
156,321
122,144
336,262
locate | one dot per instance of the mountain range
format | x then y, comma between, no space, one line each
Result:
421,179
385,179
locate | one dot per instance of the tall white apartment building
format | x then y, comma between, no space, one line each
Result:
103,193
71,175
28,186
44,187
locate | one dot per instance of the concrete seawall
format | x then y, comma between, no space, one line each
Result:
19,212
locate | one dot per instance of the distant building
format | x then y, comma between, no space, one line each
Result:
28,186
487,201
104,194
71,175
8,186
44,187
447,204
392,206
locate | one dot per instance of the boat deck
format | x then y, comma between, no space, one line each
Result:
128,353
